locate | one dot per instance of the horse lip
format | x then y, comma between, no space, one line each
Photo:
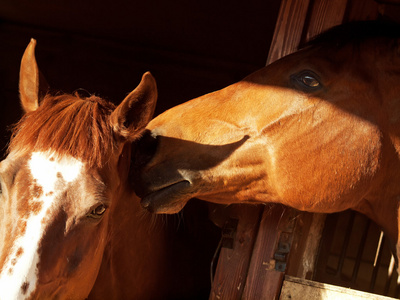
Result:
166,197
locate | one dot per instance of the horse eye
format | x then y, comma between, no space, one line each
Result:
306,80
310,81
98,212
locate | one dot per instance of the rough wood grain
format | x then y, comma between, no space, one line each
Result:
288,29
233,264
324,15
362,10
305,245
263,280
299,289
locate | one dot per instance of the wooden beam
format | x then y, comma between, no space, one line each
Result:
288,29
362,10
306,241
233,264
324,15
265,274
297,288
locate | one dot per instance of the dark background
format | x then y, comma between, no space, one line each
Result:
191,47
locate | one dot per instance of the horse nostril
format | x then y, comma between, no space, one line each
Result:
144,149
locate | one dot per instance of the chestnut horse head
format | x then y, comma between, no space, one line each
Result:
318,130
66,169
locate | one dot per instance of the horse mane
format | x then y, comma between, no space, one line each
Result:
68,124
355,33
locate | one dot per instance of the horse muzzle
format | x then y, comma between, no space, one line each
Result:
169,199
161,187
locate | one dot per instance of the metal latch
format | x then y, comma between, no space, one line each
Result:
229,233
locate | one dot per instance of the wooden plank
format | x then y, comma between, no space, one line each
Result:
233,263
324,15
298,289
362,10
305,245
265,276
288,29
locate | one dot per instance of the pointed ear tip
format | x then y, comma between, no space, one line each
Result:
148,76
149,79
147,73
32,43
30,49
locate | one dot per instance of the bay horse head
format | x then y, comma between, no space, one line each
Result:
67,164
318,130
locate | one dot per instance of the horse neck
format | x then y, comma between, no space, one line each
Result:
381,204
128,216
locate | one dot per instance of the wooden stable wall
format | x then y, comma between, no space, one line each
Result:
271,241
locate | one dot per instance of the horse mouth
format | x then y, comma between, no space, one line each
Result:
169,199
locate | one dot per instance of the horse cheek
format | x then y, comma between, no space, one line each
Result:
331,176
84,259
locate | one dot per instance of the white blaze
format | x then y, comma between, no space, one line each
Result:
21,269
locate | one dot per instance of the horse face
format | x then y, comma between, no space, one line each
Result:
53,220
304,131
66,170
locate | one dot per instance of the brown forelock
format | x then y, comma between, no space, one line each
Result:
68,124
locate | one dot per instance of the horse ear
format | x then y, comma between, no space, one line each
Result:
32,84
136,110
